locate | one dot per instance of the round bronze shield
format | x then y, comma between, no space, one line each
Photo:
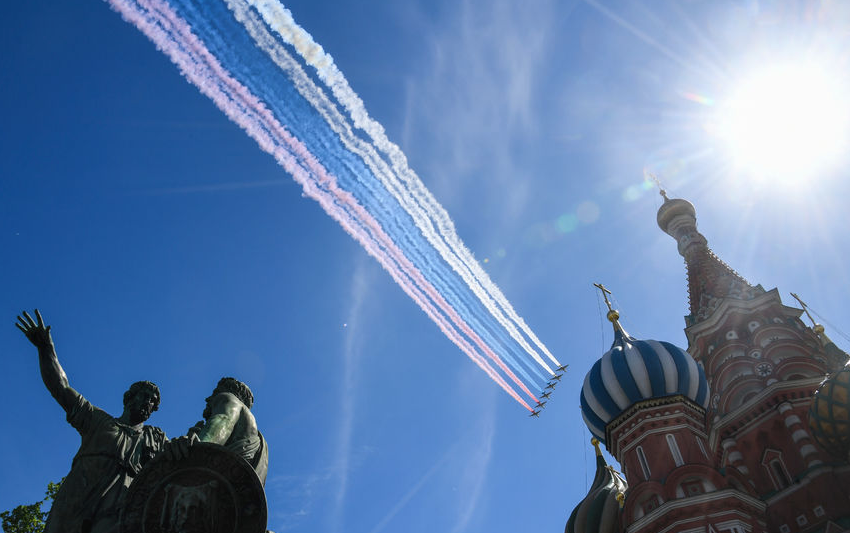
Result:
213,490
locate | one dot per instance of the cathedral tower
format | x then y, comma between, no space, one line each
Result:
743,432
763,366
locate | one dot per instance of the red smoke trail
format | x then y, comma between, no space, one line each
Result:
272,125
260,124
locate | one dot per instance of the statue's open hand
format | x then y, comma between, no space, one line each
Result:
35,330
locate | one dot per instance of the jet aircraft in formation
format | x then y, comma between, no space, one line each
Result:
550,386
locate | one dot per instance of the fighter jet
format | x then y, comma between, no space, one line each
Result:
557,377
561,368
541,405
551,385
546,395
535,413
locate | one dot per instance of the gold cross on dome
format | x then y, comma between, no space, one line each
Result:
805,308
657,182
605,293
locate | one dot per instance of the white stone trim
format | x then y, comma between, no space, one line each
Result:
768,391
807,449
803,483
685,502
791,420
799,435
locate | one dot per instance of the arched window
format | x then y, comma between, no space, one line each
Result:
674,449
643,464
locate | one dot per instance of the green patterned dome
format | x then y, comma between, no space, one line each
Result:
599,511
829,415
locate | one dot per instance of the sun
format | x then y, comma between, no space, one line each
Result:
786,121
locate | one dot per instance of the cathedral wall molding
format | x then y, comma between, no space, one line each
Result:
727,502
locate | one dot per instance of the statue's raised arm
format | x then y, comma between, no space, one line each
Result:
112,450
52,374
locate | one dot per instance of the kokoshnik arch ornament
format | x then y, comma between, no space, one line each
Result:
251,59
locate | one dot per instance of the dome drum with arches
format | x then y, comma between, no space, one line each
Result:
633,371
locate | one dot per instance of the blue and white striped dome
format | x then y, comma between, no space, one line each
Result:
636,370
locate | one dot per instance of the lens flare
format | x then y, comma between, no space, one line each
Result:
787,120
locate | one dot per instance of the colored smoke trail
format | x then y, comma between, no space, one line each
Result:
356,145
362,211
456,254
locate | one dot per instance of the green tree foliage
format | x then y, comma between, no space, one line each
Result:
29,518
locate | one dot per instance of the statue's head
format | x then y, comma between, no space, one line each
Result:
237,388
140,400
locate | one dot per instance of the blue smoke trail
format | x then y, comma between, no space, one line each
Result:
366,175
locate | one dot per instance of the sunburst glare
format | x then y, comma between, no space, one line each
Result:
786,121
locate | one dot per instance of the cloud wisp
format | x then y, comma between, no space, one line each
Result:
472,473
360,281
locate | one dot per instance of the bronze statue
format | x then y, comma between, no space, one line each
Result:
112,452
228,421
209,481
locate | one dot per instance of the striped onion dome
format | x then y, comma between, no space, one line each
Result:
636,370
599,511
829,414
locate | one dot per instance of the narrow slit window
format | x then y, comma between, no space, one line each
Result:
643,464
702,447
674,449
779,472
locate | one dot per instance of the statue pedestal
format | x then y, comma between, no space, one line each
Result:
213,490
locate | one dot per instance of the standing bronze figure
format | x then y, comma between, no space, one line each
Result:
112,452
209,481
228,421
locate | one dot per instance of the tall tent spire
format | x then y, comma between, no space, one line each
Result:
709,279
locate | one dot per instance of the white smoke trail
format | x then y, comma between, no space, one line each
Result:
413,190
356,145
172,35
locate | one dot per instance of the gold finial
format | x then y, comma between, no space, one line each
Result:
621,498
806,310
613,315
819,330
595,443
657,182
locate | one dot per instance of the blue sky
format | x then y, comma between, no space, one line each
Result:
162,244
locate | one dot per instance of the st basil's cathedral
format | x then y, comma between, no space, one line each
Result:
746,431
